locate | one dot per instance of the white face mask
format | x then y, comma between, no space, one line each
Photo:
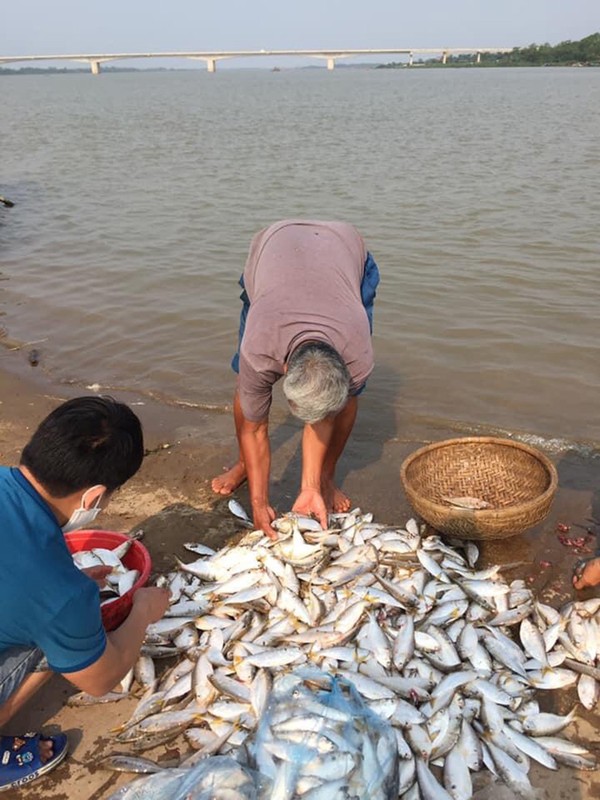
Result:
83,516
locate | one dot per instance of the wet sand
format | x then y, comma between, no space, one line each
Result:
171,500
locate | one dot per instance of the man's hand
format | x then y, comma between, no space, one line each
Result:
98,574
310,502
153,601
263,517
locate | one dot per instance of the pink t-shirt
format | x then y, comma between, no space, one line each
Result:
303,280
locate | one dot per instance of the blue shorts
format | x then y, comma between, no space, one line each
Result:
15,665
368,290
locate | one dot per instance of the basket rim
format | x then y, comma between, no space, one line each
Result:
485,513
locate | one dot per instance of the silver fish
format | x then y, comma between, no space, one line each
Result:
406,621
85,699
123,762
239,511
475,503
547,724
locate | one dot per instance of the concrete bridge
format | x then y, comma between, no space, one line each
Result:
95,60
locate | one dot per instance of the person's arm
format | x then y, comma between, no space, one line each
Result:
122,645
256,451
316,440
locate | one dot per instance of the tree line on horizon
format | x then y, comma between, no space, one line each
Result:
585,51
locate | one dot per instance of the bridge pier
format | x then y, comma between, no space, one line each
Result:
444,56
331,64
95,65
211,64
478,57
410,59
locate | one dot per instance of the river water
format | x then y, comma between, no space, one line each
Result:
477,191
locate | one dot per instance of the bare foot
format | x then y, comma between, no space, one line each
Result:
229,481
586,573
334,498
341,501
46,748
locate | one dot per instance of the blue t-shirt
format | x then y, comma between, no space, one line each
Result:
45,601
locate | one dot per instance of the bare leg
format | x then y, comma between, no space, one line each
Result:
335,499
22,694
229,481
17,700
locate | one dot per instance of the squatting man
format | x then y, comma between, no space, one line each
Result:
51,622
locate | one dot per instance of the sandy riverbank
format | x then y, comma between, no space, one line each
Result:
170,499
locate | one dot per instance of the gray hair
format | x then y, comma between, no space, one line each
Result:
317,382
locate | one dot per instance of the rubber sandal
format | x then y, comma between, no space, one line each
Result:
20,760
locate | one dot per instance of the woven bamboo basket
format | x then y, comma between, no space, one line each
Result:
517,481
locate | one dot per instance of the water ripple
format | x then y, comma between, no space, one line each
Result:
478,191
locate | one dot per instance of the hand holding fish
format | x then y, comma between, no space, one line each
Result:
263,516
310,502
153,601
98,574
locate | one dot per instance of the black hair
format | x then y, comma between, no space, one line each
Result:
85,442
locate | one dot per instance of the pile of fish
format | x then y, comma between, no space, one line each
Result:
120,579
449,655
216,778
323,743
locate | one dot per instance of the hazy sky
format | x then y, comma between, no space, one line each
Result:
70,26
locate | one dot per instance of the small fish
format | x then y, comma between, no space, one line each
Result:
124,762
457,778
121,550
151,703
552,678
474,503
239,511
296,551
230,687
568,753
277,658
511,772
162,722
547,724
161,784
588,690
127,580
85,699
144,672
199,549
533,642
288,522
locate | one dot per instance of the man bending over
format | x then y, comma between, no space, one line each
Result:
307,314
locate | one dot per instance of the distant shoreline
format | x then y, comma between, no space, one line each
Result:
582,53
482,65
392,66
